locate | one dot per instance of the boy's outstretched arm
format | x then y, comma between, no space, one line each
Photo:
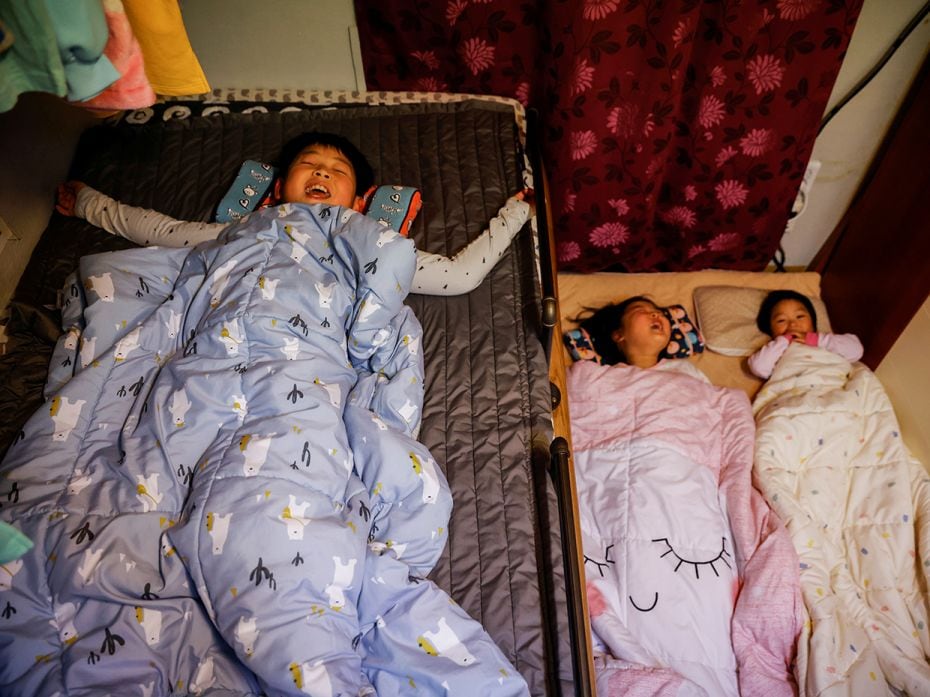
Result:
439,275
140,225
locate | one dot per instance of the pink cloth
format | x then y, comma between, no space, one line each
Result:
132,90
763,361
713,427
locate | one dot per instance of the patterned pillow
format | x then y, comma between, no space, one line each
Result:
580,346
685,339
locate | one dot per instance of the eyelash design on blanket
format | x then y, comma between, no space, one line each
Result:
601,564
697,564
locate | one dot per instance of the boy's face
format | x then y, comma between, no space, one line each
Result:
320,174
791,318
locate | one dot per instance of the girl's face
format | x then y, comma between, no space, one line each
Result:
791,318
644,332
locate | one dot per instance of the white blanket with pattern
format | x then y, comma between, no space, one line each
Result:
831,462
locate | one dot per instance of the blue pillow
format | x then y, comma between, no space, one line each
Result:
249,189
580,346
395,207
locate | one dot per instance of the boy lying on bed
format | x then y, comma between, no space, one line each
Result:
830,460
691,580
319,168
242,460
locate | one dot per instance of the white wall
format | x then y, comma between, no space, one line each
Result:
905,373
849,142
846,148
308,44
37,141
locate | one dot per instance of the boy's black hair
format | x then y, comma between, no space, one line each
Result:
364,174
764,318
603,322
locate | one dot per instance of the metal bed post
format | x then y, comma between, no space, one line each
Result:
560,469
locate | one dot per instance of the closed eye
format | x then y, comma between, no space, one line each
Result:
720,558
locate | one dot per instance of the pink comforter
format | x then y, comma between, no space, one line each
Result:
692,580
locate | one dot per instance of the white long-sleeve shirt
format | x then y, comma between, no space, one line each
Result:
435,274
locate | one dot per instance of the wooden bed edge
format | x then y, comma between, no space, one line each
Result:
561,469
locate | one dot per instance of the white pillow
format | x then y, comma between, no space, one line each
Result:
726,316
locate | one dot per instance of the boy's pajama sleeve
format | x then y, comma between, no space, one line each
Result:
140,225
439,275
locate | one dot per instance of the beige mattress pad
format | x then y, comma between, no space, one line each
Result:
580,291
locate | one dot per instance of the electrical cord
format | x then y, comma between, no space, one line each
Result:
779,257
867,78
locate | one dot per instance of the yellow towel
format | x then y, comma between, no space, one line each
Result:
170,63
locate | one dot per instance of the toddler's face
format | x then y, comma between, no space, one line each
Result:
320,174
791,318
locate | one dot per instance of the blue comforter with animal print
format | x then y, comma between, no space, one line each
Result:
224,486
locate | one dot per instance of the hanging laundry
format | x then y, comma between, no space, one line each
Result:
170,63
132,90
32,62
80,28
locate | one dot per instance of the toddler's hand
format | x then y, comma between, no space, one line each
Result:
67,196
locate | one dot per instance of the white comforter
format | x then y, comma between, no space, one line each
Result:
830,460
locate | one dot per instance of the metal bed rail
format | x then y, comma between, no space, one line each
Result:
559,468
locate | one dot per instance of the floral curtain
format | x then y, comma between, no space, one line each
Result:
676,132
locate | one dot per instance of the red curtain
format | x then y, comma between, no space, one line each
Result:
676,133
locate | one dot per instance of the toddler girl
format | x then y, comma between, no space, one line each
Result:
788,316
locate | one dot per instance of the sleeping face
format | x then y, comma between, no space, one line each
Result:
792,319
643,334
320,174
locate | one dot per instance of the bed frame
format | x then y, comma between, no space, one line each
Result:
575,293
488,408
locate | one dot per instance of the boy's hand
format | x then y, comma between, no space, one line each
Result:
67,197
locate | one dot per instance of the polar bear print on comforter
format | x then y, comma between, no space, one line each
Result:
214,513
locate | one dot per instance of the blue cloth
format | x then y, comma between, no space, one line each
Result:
13,544
395,207
32,63
230,479
81,31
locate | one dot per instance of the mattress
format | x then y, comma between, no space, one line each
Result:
486,416
578,292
